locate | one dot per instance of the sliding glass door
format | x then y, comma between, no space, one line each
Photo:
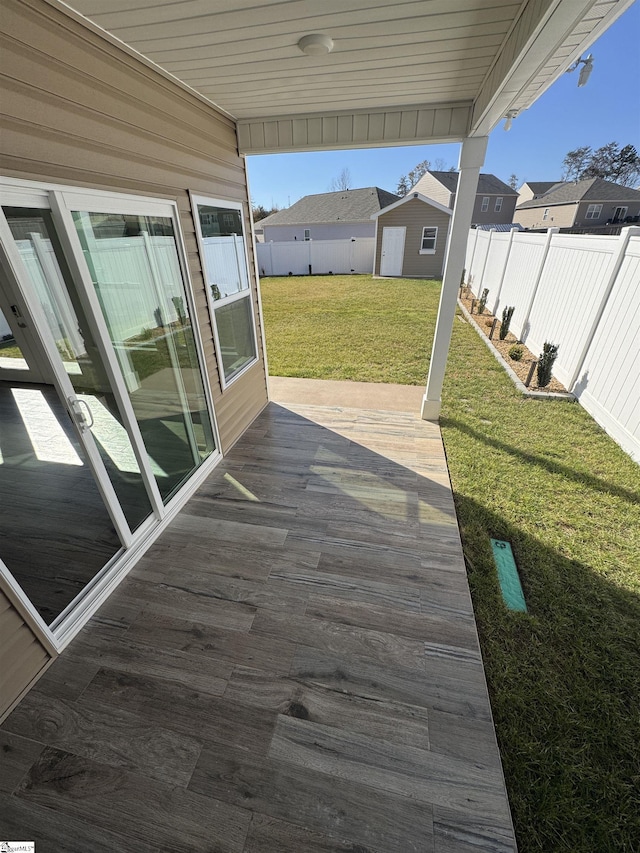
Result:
102,281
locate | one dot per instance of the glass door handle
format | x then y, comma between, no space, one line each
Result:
75,406
90,422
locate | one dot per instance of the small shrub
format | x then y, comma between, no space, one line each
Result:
516,352
482,304
488,323
507,314
545,363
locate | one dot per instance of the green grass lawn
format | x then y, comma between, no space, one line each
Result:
565,678
349,327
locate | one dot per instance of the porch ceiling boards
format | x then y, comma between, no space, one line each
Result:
293,666
401,71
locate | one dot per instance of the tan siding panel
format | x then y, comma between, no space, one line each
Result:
560,216
247,401
22,656
78,110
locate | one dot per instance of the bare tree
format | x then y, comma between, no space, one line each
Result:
341,181
514,181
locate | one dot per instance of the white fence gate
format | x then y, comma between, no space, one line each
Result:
582,292
318,257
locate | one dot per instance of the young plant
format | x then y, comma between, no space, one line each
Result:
483,301
507,314
516,352
545,363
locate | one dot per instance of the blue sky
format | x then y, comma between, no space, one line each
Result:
564,118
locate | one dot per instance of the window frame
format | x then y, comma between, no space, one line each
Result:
433,228
498,205
545,214
307,235
593,209
484,206
214,304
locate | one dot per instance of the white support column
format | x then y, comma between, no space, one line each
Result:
471,160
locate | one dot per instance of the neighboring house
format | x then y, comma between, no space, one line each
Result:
339,215
411,237
495,200
592,202
412,233
535,189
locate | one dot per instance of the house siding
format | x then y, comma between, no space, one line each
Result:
80,111
319,231
608,210
414,215
560,216
432,188
493,216
22,656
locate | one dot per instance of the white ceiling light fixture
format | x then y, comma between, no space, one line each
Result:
509,119
316,44
585,71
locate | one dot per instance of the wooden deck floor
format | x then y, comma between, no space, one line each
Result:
294,666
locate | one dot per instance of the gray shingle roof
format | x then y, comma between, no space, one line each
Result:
592,189
487,184
541,187
343,206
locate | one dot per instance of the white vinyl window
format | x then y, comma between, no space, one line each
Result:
307,233
498,204
620,213
428,241
594,211
225,265
545,215
485,204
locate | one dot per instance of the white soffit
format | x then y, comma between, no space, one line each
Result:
400,72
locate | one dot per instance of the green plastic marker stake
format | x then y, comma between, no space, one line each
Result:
508,575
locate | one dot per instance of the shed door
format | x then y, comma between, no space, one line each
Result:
392,251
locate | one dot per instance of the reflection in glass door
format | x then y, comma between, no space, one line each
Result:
94,403
135,269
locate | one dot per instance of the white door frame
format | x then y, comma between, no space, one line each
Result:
392,259
60,200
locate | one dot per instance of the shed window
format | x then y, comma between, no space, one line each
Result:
498,205
428,242
545,215
224,256
594,211
485,204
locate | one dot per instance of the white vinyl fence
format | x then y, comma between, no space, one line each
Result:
582,292
317,257
135,290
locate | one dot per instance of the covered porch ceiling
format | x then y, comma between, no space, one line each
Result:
401,72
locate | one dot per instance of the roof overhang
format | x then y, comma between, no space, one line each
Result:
412,197
401,72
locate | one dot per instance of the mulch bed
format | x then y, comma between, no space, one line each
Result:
520,368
